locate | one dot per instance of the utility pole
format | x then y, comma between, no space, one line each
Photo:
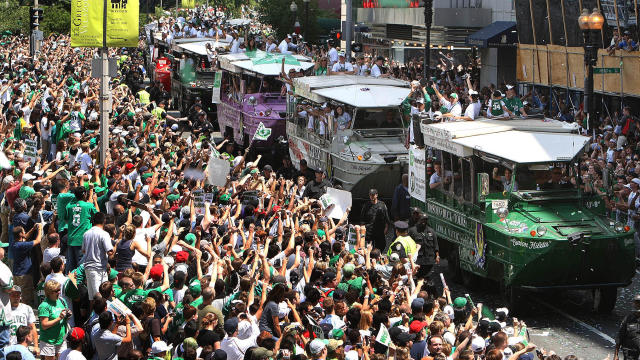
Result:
348,24
104,92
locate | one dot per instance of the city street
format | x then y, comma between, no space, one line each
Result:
562,322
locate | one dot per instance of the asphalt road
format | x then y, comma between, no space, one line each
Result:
561,321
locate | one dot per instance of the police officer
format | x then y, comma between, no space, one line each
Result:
429,253
629,334
403,245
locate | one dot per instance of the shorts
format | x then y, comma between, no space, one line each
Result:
47,349
94,279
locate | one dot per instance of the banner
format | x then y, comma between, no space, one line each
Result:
215,93
198,201
87,23
217,171
188,4
336,201
417,173
31,151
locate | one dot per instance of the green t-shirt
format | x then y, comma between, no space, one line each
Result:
514,104
496,107
51,310
136,295
63,200
80,277
197,302
79,217
117,290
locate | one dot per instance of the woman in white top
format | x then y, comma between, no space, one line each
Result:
342,120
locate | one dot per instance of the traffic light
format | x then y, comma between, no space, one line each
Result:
35,16
337,36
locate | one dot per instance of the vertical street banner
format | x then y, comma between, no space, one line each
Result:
215,93
188,4
417,173
87,23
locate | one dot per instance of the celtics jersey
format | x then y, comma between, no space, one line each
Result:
495,108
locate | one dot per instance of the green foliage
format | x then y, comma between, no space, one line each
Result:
277,13
14,17
56,19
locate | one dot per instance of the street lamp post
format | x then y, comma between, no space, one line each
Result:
306,19
294,9
590,24
428,18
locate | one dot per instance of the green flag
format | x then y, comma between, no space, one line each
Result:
262,133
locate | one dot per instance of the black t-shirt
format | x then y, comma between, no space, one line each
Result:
375,217
315,189
207,337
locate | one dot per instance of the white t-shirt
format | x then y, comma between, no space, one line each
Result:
375,71
21,315
141,240
271,47
284,47
70,354
338,67
472,110
45,133
333,55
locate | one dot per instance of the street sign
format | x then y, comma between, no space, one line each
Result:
606,70
96,67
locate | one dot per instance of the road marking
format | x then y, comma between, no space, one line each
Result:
580,322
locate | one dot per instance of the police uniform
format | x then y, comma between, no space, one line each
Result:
629,335
403,245
428,242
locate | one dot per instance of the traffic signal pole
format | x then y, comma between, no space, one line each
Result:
34,21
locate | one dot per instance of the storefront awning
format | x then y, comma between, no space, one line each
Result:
498,34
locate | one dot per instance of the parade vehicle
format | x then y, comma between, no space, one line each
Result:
368,150
193,75
252,93
509,202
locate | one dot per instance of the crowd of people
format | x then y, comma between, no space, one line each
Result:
139,257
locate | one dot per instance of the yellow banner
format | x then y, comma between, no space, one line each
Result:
188,4
86,23
122,23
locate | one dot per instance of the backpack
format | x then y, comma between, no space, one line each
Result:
88,349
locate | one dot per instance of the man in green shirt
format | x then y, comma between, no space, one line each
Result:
513,103
79,215
64,198
138,294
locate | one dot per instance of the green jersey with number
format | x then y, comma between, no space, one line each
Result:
79,217
514,104
495,107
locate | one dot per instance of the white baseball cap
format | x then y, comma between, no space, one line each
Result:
159,346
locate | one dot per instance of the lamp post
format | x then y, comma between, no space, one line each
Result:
294,9
590,24
428,18
306,18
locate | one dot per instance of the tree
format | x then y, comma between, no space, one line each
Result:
56,19
277,13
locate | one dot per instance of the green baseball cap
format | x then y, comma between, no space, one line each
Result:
460,302
113,274
225,197
173,197
190,239
195,287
